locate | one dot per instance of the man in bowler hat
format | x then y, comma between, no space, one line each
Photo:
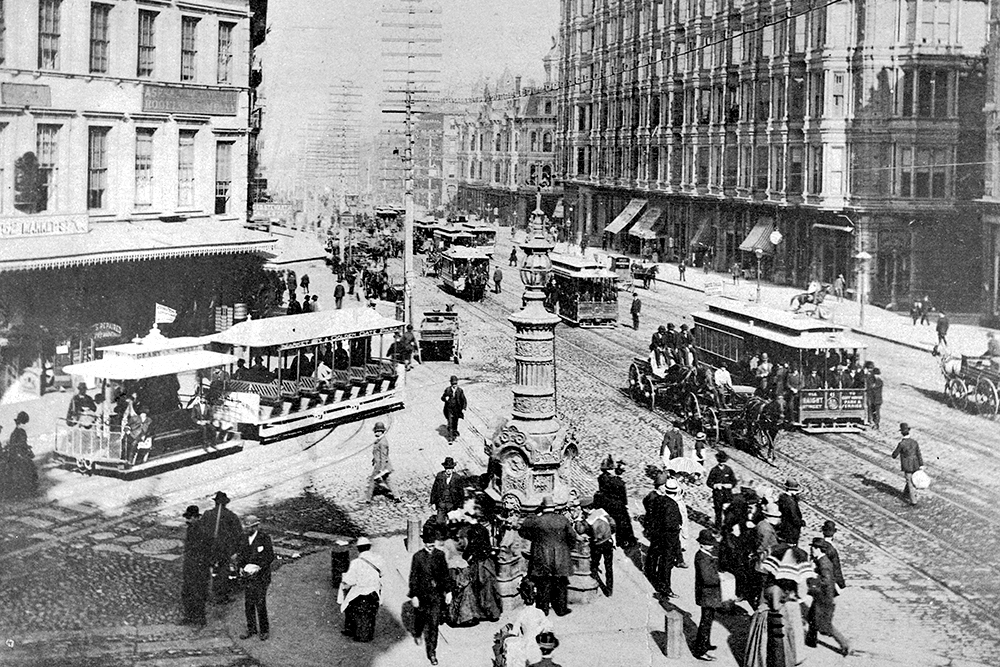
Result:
790,528
707,592
430,592
829,531
454,407
552,539
910,460
446,492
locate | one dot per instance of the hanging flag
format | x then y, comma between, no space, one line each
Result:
165,315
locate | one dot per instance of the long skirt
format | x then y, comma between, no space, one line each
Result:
359,617
464,607
794,630
767,645
484,583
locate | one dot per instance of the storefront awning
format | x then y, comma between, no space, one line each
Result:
294,246
759,238
704,224
836,228
107,242
627,215
644,228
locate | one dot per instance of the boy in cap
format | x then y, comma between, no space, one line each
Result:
429,592
194,589
381,465
707,592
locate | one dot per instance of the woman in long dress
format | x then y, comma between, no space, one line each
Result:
478,552
464,609
768,645
520,648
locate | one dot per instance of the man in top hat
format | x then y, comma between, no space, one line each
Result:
599,526
614,500
910,460
255,557
547,643
446,492
552,539
635,309
722,481
430,590
359,593
829,531
790,528
223,534
824,599
194,589
707,592
381,465
454,407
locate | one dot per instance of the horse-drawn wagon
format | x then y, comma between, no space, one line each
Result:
971,383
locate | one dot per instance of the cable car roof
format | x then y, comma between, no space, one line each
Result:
120,367
784,328
579,267
292,331
463,252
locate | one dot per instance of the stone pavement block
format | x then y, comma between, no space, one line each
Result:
166,557
129,539
185,645
193,661
287,553
33,521
165,629
114,548
324,537
55,513
101,536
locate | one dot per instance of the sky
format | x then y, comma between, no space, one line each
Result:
315,44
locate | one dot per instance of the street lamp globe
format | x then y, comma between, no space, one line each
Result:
759,253
775,237
535,270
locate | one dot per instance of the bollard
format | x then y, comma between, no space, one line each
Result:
340,561
673,627
413,541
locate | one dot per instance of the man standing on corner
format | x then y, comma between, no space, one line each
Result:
635,309
910,461
381,465
223,534
552,539
707,592
194,591
446,493
255,558
497,279
338,295
790,528
722,481
454,407
430,592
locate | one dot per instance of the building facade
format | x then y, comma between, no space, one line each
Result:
693,129
507,152
990,205
123,168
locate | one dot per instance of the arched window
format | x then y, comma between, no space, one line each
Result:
517,140
532,174
496,143
472,169
547,142
534,142
546,175
472,142
548,108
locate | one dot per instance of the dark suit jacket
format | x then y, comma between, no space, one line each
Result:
223,532
822,587
552,538
616,490
446,495
260,553
791,524
663,519
707,585
721,474
908,452
838,573
429,575
454,401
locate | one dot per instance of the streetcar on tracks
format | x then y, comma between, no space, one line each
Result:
465,272
423,234
731,333
440,335
309,371
449,235
586,292
161,377
484,236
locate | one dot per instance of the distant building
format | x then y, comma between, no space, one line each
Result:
990,204
507,152
694,129
123,170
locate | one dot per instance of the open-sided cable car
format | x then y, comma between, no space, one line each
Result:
586,292
465,271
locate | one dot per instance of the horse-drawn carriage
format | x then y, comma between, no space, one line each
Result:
971,383
644,274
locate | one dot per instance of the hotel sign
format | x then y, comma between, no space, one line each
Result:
25,95
268,210
43,225
185,100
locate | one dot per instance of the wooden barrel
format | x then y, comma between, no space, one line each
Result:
239,312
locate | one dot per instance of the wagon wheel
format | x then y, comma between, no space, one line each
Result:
691,409
634,389
957,393
649,392
764,443
987,400
710,425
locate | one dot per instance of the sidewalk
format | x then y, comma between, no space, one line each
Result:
878,323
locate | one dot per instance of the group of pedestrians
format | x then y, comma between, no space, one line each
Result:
222,553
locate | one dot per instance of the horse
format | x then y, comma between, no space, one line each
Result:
951,364
815,298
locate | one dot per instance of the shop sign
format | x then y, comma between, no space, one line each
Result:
713,286
269,210
105,331
25,95
182,99
43,225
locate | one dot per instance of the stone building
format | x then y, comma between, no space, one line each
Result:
123,169
694,128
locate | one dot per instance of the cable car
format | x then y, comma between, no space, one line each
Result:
310,371
732,334
484,236
586,292
465,271
162,377
446,236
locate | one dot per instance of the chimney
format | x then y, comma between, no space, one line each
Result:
517,85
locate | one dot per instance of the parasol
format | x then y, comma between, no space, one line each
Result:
792,563
682,464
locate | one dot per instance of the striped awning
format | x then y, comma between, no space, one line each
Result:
624,218
108,242
704,224
644,228
759,238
